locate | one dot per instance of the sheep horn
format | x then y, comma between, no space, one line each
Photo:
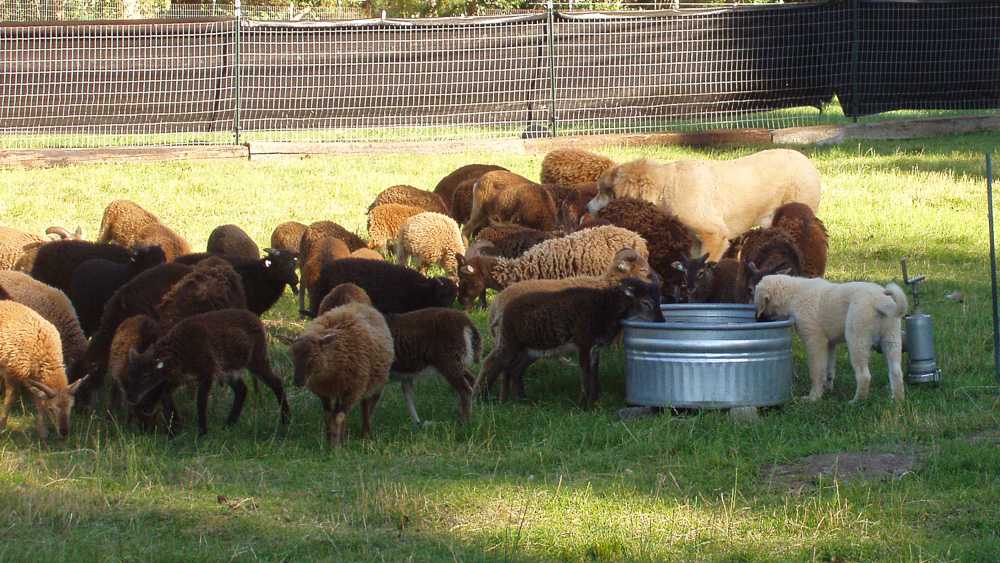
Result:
76,384
78,233
62,232
41,387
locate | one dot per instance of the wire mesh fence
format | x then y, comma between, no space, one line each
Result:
297,73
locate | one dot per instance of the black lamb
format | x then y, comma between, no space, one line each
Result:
94,282
392,288
55,261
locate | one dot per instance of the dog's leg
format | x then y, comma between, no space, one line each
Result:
818,350
831,365
860,354
893,358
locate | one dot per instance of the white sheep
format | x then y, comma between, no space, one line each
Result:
430,238
861,313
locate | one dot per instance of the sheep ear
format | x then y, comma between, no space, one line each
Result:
459,257
39,389
267,262
76,385
678,265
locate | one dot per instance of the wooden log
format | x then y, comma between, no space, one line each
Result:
45,158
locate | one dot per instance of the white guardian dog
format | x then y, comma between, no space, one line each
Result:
825,314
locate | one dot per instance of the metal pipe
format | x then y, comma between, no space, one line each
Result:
237,74
993,266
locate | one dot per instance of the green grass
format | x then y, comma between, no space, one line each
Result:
541,480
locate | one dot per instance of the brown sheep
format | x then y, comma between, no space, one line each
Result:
134,333
213,285
343,357
571,203
158,234
809,234
461,203
464,176
384,223
342,295
322,229
505,197
512,241
321,253
414,197
232,240
366,254
667,238
288,236
570,167
53,306
122,221
203,350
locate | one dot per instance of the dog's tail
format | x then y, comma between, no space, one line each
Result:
894,303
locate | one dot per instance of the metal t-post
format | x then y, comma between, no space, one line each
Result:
993,266
238,13
552,67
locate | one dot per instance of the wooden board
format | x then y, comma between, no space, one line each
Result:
886,130
44,158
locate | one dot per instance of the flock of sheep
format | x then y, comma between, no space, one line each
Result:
135,314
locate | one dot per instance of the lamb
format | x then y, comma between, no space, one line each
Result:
385,221
505,197
341,295
158,234
213,285
392,288
288,236
717,200
430,238
861,313
577,318
320,253
232,240
53,306
134,333
808,233
264,279
122,222
322,229
571,203
512,241
202,350
31,356
344,357
413,197
668,239
570,167
627,263
465,176
584,253
54,262
94,282
461,203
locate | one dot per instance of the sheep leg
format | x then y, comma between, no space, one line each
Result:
514,376
586,376
482,300
239,396
407,385
203,389
456,376
328,421
170,414
8,402
367,408
595,381
492,366
40,426
262,371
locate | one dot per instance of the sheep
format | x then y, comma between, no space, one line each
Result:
762,252
461,202
320,253
31,356
344,357
21,257
667,238
505,197
692,288
718,200
139,296
122,221
465,176
134,333
232,240
202,350
385,221
94,282
213,285
288,236
413,197
512,241
12,243
53,306
570,167
808,233
430,238
158,234
862,314
392,288
341,295
584,253
366,254
627,263
322,229
571,203
264,279
578,318
54,262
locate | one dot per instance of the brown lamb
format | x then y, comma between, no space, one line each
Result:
213,285
320,253
414,197
122,222
288,236
570,167
234,241
322,229
809,234
384,223
158,234
465,176
506,198
342,295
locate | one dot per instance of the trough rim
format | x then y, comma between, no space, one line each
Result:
756,325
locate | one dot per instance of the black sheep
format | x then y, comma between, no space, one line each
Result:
264,279
55,261
94,282
392,288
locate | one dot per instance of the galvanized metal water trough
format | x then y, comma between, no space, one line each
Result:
708,356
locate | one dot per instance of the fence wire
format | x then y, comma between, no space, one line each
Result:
202,79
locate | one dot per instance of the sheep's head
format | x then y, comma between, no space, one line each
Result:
643,300
57,403
694,269
145,257
471,279
445,291
280,266
628,263
147,378
305,350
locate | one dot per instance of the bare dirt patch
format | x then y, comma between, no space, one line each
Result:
807,473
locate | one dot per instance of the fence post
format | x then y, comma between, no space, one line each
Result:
238,12
549,9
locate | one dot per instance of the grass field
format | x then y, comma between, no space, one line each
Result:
540,480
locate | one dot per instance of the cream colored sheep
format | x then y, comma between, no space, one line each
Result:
717,200
53,306
430,238
31,357
384,222
861,313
